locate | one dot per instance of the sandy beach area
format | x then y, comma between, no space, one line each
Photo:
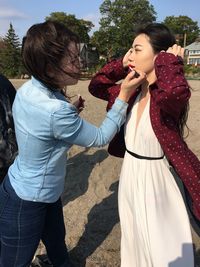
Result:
90,195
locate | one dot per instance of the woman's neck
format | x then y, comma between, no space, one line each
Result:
151,77
145,89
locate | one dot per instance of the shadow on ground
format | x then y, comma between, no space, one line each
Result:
99,226
76,184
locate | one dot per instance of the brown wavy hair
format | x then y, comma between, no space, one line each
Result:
44,47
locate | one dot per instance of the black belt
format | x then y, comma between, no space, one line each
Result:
143,157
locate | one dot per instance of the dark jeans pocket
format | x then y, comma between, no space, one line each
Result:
4,196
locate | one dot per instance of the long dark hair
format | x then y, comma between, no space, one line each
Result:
161,38
44,47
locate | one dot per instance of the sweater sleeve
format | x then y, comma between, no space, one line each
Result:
105,84
172,91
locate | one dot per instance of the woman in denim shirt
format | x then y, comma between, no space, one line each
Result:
47,125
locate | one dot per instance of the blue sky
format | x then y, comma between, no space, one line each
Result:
23,13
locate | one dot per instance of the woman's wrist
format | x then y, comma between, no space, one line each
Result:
123,96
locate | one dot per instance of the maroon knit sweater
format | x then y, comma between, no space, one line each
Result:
169,95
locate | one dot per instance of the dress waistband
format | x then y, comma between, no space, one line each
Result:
143,157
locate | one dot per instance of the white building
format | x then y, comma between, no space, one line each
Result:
193,53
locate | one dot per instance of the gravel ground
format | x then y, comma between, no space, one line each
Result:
90,196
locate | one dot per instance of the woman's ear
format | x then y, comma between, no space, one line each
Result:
154,58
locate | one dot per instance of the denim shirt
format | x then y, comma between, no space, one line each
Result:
46,127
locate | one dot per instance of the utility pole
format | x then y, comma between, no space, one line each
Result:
184,39
185,29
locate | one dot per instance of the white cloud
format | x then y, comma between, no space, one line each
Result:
9,13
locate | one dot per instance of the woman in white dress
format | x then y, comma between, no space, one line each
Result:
154,222
155,228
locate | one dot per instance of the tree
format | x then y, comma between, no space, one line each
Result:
184,27
2,47
120,19
10,56
79,26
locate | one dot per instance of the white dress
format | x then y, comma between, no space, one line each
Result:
155,230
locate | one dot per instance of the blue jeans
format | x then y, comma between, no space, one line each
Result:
22,225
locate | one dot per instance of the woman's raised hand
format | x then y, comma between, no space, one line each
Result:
177,50
130,84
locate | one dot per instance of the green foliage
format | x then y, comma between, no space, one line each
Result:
2,47
183,25
79,26
120,19
192,71
96,68
10,55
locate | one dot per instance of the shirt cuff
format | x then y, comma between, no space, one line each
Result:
120,105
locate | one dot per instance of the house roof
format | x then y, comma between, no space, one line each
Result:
193,46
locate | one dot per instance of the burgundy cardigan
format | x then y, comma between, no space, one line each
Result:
168,96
